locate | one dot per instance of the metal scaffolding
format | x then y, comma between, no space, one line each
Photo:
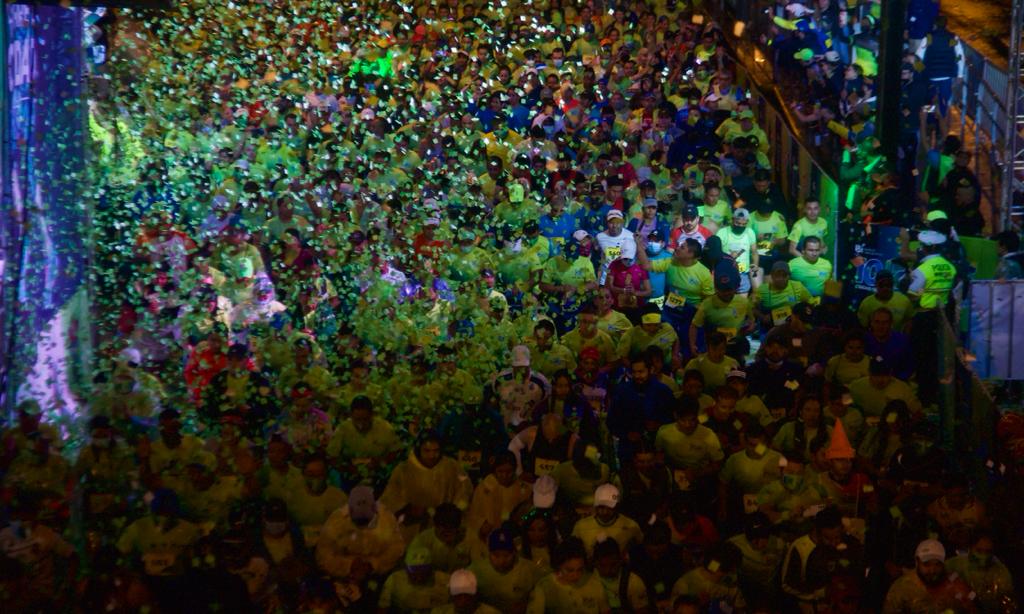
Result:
1013,169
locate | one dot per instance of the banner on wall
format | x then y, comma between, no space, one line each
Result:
45,223
863,252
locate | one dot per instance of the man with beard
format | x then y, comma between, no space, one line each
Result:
929,588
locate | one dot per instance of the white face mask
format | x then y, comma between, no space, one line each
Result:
654,249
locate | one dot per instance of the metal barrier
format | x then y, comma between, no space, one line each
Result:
982,109
997,329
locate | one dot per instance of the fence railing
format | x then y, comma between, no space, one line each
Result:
981,102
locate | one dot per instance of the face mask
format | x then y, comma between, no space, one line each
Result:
738,230
792,482
558,63
316,485
653,249
275,528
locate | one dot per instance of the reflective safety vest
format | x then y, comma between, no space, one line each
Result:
939,275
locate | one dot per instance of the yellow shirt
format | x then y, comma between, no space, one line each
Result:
691,451
714,372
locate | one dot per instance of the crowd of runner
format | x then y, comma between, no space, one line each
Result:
476,307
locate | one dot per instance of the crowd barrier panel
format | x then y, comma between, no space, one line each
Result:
997,329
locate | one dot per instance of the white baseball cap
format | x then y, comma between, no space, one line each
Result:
579,235
931,237
613,214
544,491
930,550
462,582
606,495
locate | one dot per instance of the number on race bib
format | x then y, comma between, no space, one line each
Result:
157,563
781,314
470,459
544,466
675,301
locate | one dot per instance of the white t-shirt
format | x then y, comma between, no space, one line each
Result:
612,248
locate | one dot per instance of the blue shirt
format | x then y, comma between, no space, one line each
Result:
657,279
593,221
557,230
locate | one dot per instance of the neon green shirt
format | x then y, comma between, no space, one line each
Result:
804,228
741,243
637,340
692,283
750,475
584,597
768,230
692,451
899,304
716,314
614,323
504,590
714,372
404,596
770,299
812,275
602,341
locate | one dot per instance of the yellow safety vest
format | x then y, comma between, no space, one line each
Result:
939,275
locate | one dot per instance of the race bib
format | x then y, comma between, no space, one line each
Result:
743,266
157,563
470,459
544,466
750,504
675,301
728,332
781,314
681,480
612,253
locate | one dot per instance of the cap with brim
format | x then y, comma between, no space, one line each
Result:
741,213
780,267
462,582
606,495
690,212
930,237
651,202
613,215
930,550
545,488
748,114
938,214
417,557
579,235
737,373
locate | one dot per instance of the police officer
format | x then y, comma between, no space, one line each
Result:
930,286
